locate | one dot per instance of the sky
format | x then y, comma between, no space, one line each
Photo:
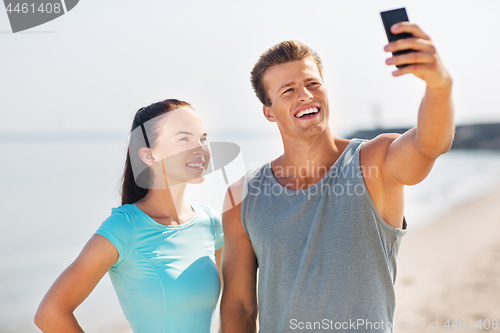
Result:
94,67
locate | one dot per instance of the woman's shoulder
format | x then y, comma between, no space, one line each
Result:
204,208
213,219
125,210
119,230
207,213
120,216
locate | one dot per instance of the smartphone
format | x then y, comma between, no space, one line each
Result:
391,17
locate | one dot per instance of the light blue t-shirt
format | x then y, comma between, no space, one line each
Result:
165,277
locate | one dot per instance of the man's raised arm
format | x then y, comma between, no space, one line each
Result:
239,269
410,157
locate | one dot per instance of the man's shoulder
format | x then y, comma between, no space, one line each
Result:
341,141
375,149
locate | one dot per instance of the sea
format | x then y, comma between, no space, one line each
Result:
55,193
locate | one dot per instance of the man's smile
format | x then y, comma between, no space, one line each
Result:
307,112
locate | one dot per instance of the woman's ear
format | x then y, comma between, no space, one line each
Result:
146,156
268,113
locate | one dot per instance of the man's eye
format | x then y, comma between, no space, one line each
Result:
313,83
288,90
185,139
203,139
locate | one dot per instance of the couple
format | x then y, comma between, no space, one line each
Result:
326,258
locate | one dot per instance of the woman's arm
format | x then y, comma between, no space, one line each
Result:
72,287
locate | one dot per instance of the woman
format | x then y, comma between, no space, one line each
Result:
158,249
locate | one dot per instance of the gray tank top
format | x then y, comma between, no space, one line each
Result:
327,260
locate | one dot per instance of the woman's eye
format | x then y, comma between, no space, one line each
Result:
185,139
203,139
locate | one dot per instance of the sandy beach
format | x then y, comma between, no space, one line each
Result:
449,269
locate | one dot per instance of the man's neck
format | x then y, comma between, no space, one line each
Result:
306,160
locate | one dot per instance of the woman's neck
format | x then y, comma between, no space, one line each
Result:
167,206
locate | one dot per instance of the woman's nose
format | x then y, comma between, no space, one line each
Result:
201,149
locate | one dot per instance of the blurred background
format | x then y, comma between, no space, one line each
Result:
70,88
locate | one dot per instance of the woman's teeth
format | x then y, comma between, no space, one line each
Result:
197,165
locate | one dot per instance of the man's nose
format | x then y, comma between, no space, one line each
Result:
304,94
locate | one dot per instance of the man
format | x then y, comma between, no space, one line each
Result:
323,222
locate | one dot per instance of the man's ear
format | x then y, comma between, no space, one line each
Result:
146,156
268,113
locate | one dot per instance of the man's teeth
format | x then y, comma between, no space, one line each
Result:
198,165
307,111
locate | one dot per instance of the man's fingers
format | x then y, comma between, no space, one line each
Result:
417,44
411,58
415,69
424,62
411,28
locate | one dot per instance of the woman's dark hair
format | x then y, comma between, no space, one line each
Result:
131,192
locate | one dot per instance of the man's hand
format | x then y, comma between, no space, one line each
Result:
424,63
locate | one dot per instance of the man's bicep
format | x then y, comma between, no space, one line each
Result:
403,160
